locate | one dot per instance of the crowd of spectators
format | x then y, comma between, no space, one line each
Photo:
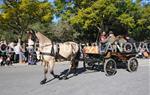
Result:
17,52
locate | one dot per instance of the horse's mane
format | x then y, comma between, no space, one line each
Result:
43,39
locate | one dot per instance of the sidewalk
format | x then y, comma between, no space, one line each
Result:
25,64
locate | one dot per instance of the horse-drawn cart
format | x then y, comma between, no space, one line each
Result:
108,61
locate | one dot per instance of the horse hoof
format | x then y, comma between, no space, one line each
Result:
60,78
75,74
43,81
65,78
56,76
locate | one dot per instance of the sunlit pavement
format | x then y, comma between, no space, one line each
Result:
23,79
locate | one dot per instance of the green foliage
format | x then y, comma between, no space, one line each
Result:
127,20
81,20
120,16
9,35
59,32
18,16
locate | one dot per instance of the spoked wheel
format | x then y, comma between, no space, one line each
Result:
132,64
110,67
87,65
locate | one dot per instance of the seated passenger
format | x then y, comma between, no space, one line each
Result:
121,39
102,41
106,42
102,38
111,38
129,39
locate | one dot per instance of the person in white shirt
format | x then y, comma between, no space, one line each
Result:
30,44
17,51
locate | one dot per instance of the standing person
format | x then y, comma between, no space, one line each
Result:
26,53
3,53
30,44
10,53
23,51
17,50
31,60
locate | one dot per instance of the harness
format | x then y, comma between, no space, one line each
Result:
54,51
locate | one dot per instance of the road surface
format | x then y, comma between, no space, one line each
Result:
25,80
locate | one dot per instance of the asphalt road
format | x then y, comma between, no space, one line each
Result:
25,80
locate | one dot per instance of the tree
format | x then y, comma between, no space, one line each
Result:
63,31
105,14
58,32
17,15
121,16
143,24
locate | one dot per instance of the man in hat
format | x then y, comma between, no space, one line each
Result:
111,38
109,41
105,43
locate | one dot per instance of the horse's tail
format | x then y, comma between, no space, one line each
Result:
75,61
78,56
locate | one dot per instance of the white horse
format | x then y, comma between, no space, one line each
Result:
49,52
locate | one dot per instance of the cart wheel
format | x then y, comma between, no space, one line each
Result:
132,64
110,67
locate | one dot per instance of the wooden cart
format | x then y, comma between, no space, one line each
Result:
108,61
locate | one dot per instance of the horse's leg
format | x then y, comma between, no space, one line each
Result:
52,64
74,66
45,73
69,70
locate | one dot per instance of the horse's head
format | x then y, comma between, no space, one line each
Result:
39,37
32,35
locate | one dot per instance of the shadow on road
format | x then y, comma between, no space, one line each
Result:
82,70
